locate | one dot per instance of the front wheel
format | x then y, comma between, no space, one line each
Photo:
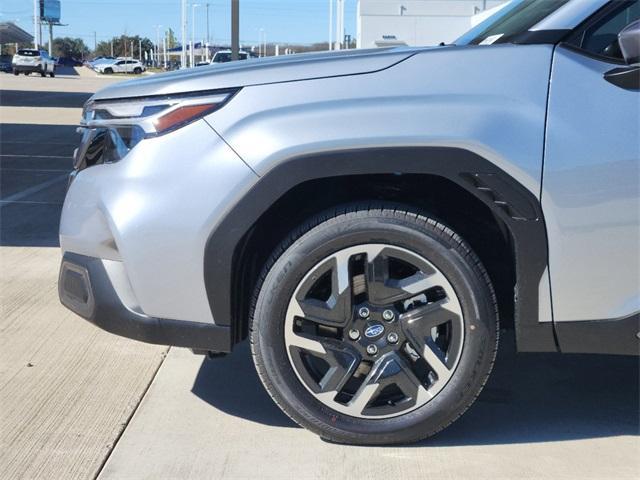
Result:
137,71
108,71
377,326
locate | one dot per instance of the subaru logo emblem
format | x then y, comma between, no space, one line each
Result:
374,330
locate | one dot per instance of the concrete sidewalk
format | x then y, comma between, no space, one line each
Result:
541,416
67,389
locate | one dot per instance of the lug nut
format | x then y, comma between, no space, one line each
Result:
372,349
363,312
388,315
354,334
392,337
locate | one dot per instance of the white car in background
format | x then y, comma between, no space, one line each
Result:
28,60
224,56
121,65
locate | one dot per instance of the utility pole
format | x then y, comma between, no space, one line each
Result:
36,24
330,24
183,53
112,47
140,49
132,55
95,42
235,29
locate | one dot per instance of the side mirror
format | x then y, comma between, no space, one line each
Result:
628,77
629,40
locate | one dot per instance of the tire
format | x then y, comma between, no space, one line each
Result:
27,73
52,74
16,73
397,251
137,71
108,71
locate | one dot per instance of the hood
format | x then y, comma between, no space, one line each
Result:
260,71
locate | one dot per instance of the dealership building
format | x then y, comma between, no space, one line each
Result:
418,22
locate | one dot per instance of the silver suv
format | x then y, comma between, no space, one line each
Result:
370,219
30,61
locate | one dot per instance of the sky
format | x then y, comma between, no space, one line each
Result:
285,21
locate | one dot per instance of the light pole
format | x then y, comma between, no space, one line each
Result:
157,52
330,24
183,25
340,26
208,38
193,33
36,26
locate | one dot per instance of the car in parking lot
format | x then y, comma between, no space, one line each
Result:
370,219
120,65
30,61
224,56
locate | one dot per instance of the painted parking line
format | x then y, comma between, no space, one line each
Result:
34,189
28,202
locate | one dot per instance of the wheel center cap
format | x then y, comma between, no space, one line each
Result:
374,330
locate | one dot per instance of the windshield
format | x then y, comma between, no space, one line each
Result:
514,19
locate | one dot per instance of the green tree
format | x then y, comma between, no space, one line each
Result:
69,47
171,39
122,46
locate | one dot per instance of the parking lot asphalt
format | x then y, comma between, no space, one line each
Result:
76,402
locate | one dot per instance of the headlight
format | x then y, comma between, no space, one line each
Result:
111,128
157,114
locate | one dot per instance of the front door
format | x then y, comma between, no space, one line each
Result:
591,178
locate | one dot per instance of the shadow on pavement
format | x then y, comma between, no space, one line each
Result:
67,70
231,384
529,398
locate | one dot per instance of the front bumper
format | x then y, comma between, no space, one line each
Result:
85,287
147,219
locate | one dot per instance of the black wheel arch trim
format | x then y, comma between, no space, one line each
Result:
511,202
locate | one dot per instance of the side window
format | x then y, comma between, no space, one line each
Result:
601,37
121,62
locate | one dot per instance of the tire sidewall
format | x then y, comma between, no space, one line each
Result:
432,243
